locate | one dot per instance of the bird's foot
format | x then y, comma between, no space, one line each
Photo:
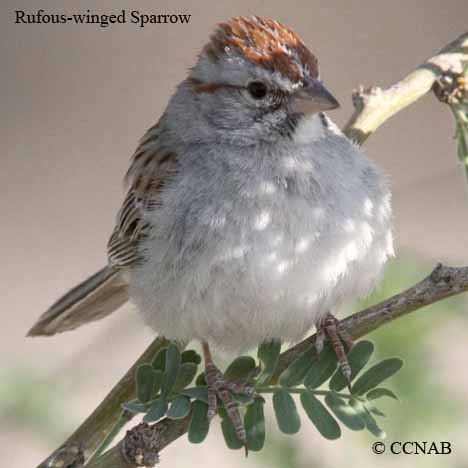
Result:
220,387
330,327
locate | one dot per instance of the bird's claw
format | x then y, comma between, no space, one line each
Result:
219,387
330,327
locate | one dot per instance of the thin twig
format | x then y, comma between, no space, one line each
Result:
373,106
142,444
443,282
95,429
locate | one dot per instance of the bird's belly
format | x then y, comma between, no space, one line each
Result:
272,276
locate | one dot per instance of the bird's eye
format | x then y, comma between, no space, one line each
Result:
257,89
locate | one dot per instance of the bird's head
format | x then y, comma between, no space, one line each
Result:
255,80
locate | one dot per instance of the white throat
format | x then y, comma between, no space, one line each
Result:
310,129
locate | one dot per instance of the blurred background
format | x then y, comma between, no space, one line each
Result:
75,100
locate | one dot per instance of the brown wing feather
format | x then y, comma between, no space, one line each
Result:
92,299
150,168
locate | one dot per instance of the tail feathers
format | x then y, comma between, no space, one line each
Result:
91,300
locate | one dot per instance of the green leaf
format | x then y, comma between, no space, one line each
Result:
156,411
376,375
171,370
379,393
373,427
187,372
358,357
179,408
286,412
199,423
198,393
373,409
158,378
229,432
145,380
371,423
319,415
268,354
240,368
134,406
242,398
345,412
200,380
255,425
296,371
322,369
191,356
159,362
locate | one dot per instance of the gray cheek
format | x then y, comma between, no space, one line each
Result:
231,112
222,116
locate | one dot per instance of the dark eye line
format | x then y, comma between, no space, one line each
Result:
199,86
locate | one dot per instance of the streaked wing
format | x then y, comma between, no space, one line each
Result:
150,168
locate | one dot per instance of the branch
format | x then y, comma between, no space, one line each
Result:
99,424
373,106
142,444
443,282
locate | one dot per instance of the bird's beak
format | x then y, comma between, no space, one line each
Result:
313,97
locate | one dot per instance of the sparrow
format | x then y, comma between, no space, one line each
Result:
249,216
